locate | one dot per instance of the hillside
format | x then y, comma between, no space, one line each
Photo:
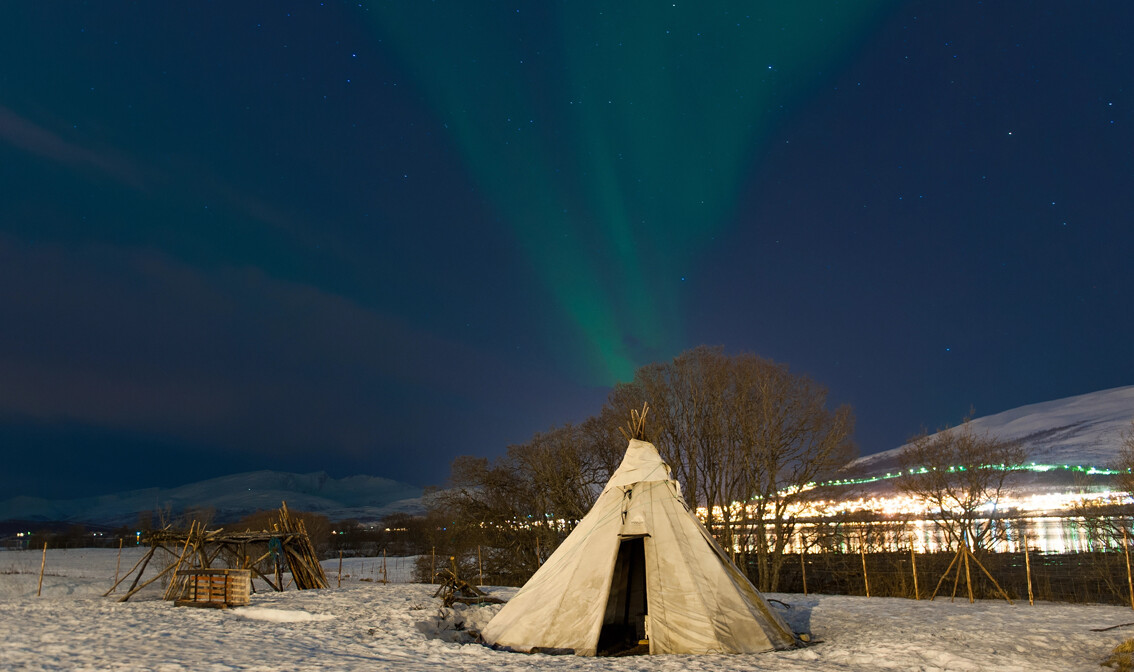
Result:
1083,430
366,498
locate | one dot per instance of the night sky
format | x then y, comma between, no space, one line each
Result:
369,237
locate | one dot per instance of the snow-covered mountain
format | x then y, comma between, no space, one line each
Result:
366,498
1082,430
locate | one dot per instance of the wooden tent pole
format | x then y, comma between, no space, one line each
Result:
1028,569
42,565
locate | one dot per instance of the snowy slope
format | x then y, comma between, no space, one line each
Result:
364,497
1082,430
369,626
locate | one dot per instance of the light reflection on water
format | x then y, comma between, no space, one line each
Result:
1045,534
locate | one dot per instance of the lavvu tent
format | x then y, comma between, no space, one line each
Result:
638,568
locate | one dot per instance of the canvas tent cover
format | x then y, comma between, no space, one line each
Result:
639,564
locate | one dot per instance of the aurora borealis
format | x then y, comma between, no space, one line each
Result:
613,140
368,237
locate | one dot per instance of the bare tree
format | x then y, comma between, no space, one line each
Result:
957,472
517,509
1124,463
744,437
789,440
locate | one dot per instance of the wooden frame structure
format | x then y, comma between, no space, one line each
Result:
285,546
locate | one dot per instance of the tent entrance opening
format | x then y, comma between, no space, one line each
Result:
624,623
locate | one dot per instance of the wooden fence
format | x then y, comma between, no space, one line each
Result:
1099,576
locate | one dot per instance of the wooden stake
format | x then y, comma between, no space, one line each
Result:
943,576
142,559
433,577
994,582
139,588
171,589
118,565
957,576
385,576
913,564
862,551
1125,549
968,575
340,568
480,564
43,563
1028,569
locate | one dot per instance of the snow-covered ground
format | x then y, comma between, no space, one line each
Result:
366,625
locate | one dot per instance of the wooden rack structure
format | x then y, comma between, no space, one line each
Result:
286,547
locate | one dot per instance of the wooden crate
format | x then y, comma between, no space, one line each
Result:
218,588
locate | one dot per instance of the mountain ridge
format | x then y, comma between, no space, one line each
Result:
1085,429
367,498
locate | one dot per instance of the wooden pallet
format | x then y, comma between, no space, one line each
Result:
216,588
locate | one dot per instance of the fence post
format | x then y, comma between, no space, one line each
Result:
1125,549
913,564
862,552
1028,569
43,563
803,570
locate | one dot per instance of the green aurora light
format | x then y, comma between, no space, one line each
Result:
614,138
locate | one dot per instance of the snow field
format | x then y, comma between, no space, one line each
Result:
370,626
